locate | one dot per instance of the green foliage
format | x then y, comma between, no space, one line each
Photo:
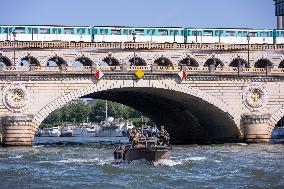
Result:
79,112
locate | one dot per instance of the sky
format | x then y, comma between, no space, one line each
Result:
181,13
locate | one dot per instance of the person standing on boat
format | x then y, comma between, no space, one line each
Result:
164,137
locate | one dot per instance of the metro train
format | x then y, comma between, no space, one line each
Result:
142,34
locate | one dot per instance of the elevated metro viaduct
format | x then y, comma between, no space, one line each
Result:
223,97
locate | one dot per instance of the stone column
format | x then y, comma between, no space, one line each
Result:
17,130
256,128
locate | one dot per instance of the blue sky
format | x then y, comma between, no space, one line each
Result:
184,13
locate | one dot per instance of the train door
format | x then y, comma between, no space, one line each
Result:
199,36
93,33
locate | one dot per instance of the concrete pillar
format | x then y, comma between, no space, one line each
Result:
240,69
154,67
279,22
211,68
123,67
17,130
256,127
268,70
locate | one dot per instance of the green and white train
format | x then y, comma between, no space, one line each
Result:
142,34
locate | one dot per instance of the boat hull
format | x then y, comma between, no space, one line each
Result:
149,154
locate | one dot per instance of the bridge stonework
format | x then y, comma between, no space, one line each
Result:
210,104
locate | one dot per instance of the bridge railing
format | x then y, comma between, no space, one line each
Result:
143,68
254,70
131,69
46,69
109,68
79,69
277,70
168,68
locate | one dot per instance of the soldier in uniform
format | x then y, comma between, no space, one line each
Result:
164,137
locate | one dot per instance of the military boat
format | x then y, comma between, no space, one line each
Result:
143,147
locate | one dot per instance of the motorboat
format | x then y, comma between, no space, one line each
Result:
143,147
50,132
277,135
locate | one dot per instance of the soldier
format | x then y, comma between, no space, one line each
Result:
164,137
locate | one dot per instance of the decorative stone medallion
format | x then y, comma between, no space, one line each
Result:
255,96
15,97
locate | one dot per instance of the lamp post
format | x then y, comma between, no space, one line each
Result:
14,35
248,38
134,38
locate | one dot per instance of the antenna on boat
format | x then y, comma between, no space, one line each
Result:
142,125
106,109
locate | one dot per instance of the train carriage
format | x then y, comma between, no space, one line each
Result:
278,36
46,33
228,36
125,34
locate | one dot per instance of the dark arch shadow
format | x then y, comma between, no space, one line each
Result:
138,61
58,60
111,61
85,61
32,61
214,61
188,119
239,62
281,65
263,63
6,61
163,61
189,62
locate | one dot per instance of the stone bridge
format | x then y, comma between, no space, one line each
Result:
221,97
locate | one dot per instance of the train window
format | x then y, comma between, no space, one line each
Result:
139,31
174,32
115,32
240,34
208,33
125,32
264,34
20,30
44,30
230,33
162,32
194,33
68,30
253,34
282,34
103,31
151,32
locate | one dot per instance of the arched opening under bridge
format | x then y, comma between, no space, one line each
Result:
239,62
214,61
189,62
56,61
188,118
263,63
163,61
5,61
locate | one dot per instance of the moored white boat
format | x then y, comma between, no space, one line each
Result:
277,135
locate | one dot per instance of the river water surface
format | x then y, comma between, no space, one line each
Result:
88,163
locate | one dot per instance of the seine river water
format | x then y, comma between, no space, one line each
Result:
88,163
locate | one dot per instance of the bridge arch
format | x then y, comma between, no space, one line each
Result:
5,61
188,61
276,117
56,61
214,61
111,61
137,61
239,61
29,61
163,61
281,65
83,61
263,63
192,121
